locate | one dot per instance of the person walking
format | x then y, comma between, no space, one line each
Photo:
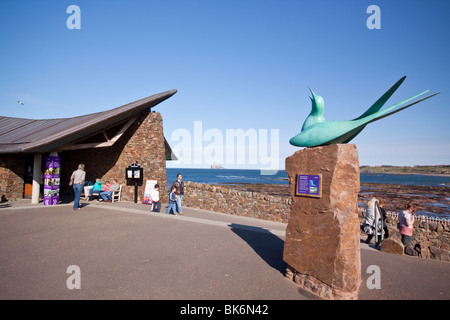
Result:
154,195
77,180
384,216
406,229
374,221
406,223
172,201
179,191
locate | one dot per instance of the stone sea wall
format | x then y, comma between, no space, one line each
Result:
432,236
236,202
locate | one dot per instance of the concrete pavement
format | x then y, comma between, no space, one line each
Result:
124,251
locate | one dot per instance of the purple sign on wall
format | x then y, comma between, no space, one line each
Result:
52,177
309,185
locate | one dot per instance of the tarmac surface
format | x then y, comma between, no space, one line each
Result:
124,251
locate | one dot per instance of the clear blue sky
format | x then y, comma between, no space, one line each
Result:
237,64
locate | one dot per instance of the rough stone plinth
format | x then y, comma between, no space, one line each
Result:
322,246
392,245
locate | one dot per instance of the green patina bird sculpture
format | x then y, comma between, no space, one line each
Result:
316,131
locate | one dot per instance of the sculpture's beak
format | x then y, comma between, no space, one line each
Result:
313,95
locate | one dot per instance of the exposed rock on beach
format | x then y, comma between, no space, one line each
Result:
429,198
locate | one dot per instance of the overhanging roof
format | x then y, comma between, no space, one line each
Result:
19,135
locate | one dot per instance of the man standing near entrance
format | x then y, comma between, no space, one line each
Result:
77,181
179,185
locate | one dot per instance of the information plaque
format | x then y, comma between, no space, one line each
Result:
309,185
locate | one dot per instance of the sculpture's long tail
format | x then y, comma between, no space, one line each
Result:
382,114
382,100
387,112
375,108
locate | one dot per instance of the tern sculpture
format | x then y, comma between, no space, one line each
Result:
316,131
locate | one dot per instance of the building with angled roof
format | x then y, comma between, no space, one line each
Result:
106,142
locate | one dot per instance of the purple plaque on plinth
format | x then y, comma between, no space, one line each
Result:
309,185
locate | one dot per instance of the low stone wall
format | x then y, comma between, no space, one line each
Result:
433,237
236,202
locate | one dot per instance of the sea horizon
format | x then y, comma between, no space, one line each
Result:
253,176
226,176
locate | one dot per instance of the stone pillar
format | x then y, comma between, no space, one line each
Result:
36,177
322,246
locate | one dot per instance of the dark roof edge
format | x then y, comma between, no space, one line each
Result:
92,123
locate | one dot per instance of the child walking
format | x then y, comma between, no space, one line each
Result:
154,195
172,201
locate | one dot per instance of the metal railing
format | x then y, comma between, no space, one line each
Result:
421,218
417,217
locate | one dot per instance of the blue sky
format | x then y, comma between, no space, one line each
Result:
236,65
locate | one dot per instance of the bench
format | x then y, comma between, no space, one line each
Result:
114,195
86,193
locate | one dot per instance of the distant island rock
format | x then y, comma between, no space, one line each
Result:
217,166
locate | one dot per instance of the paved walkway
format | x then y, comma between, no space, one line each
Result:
126,252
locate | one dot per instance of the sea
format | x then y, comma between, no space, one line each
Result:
230,176
225,176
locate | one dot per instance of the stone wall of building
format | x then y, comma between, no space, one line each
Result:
12,171
142,142
433,237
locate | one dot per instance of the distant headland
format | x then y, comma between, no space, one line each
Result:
437,169
217,166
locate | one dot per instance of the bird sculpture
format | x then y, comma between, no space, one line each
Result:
316,131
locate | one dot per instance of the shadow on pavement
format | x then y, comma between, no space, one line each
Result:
267,245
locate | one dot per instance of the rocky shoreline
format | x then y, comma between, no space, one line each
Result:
431,199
